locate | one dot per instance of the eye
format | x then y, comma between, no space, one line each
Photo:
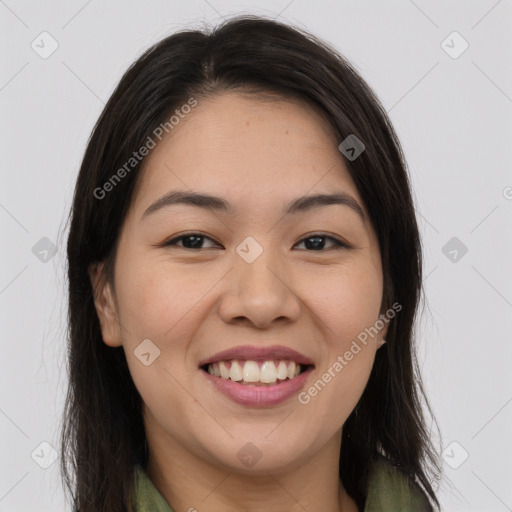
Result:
316,242
189,241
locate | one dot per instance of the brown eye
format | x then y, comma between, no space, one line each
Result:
316,242
189,241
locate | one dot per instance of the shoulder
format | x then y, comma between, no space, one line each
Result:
389,489
145,495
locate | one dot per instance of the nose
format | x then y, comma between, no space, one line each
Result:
259,293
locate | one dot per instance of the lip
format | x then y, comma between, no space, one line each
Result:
254,353
259,396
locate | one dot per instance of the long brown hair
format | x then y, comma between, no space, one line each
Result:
103,432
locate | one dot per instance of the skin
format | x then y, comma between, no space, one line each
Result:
192,303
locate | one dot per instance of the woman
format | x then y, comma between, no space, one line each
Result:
244,275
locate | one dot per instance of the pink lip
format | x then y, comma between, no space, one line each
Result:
259,396
251,352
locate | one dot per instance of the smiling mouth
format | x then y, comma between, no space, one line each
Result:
256,373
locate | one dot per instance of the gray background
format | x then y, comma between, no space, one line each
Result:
453,116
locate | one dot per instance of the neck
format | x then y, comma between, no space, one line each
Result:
188,482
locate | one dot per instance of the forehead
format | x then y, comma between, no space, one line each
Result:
248,150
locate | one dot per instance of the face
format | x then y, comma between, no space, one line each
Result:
195,281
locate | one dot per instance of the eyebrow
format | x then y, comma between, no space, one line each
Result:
299,205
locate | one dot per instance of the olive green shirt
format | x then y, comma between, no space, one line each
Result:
388,491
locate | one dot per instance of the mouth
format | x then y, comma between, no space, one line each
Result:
257,376
256,373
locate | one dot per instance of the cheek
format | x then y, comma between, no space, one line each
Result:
347,302
158,306
347,308
156,301
167,306
154,306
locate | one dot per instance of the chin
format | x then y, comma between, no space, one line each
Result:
257,455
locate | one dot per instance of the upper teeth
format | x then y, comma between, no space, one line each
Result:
254,371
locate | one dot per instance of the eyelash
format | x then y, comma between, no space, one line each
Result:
338,243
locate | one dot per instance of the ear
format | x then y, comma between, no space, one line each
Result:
383,332
105,305
381,337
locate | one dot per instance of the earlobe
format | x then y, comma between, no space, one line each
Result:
105,305
381,337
